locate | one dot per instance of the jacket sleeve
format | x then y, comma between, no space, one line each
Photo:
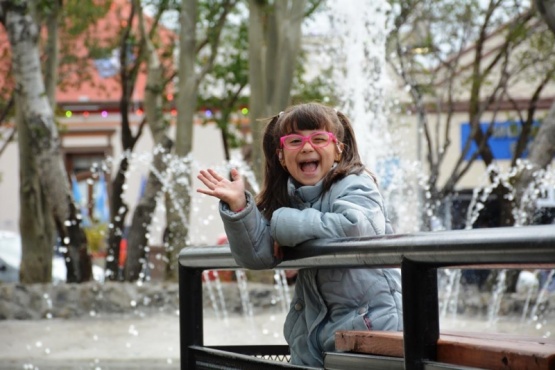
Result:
356,209
248,233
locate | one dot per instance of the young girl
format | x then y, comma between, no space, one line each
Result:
315,186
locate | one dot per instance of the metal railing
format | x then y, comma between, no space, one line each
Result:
419,255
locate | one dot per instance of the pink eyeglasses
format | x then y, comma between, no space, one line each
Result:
318,139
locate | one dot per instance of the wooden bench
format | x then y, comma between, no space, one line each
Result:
482,350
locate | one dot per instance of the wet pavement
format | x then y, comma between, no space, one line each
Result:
152,342
121,342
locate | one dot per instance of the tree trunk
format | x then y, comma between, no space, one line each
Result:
118,207
257,72
142,216
35,217
52,53
541,155
274,47
542,149
547,10
23,34
178,201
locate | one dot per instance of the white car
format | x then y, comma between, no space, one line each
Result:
10,257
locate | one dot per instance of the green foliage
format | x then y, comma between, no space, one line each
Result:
223,89
80,14
320,88
96,237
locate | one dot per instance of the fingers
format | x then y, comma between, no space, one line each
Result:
220,187
235,174
278,252
209,177
214,175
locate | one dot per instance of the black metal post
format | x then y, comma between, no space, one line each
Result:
420,313
190,314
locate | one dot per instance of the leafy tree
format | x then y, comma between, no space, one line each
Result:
542,149
133,46
274,46
154,112
222,92
39,143
431,55
197,54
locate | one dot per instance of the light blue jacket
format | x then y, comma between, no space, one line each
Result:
325,300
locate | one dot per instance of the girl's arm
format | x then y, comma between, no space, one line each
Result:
246,229
356,209
248,233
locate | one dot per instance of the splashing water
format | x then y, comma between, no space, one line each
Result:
451,294
282,289
361,79
542,298
363,84
493,312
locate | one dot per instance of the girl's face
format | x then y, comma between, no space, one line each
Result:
309,163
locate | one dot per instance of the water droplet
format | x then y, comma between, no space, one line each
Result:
133,330
38,344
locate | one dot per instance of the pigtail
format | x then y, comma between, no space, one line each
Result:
350,134
350,153
273,194
350,162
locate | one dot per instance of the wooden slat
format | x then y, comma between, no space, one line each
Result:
484,350
385,343
499,336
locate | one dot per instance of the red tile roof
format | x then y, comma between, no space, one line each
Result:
80,83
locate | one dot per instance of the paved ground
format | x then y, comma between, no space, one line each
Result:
120,343
153,342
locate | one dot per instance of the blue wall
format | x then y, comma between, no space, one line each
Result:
503,140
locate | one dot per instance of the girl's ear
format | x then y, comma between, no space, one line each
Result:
279,153
339,147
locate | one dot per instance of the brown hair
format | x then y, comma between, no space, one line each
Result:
309,116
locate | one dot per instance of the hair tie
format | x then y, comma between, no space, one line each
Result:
280,113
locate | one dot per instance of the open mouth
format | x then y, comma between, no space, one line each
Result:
309,166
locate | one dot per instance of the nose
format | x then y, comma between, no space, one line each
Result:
307,146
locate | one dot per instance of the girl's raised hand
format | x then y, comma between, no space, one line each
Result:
231,192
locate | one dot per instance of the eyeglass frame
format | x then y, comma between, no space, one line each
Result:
305,139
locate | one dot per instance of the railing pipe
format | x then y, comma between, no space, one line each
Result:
504,245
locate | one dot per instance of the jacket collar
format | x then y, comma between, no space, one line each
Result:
306,193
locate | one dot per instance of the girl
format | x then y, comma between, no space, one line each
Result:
315,186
